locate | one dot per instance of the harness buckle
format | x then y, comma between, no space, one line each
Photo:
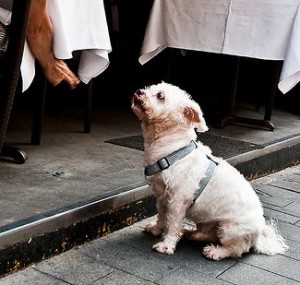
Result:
163,163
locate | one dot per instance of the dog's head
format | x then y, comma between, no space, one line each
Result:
164,103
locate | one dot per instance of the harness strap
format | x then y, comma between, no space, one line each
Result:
165,162
206,178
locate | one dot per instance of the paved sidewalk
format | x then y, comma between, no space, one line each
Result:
125,256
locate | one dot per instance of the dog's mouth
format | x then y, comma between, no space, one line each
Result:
137,101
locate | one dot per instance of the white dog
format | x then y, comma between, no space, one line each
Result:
190,183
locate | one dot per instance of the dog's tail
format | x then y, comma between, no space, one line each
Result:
269,241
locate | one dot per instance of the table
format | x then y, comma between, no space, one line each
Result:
263,29
77,26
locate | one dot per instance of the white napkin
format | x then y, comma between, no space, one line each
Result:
27,64
27,67
92,63
79,25
5,16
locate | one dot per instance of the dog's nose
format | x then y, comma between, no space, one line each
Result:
138,92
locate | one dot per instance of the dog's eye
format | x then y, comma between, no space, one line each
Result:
160,96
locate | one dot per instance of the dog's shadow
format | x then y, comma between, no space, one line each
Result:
186,249
185,245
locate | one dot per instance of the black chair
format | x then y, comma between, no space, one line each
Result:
10,70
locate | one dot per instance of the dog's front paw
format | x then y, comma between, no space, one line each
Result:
153,229
214,252
163,247
168,245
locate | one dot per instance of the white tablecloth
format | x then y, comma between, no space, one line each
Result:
78,25
264,29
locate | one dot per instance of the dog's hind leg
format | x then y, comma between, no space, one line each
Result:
234,248
231,242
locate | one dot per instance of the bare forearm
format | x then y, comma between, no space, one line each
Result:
40,40
40,31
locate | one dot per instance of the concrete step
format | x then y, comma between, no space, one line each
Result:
32,240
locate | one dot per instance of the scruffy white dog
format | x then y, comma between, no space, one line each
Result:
190,183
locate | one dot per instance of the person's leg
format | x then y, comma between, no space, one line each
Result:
40,40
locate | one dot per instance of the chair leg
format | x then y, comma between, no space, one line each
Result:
14,154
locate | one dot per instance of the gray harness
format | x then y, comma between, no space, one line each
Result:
167,161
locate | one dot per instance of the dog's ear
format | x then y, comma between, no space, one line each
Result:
194,114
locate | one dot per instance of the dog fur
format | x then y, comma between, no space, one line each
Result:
228,214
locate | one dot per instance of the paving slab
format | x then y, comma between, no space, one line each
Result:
125,256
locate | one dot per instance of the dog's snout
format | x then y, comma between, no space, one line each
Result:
138,92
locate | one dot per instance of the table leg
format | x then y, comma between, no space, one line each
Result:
39,91
276,67
264,123
229,119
